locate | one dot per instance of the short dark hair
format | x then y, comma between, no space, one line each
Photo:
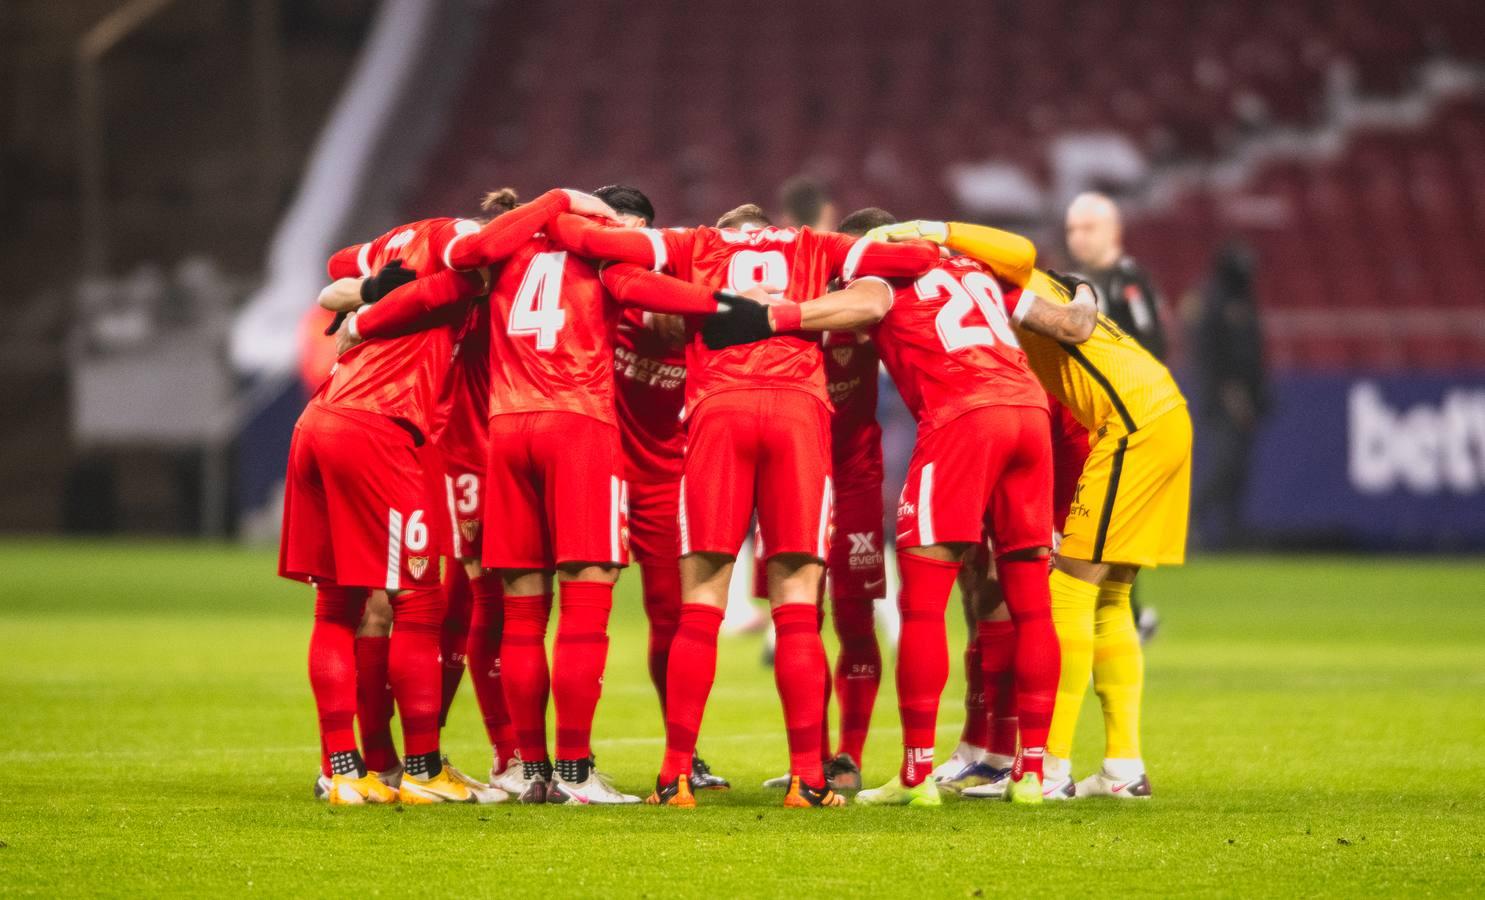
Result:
803,199
747,214
863,220
627,199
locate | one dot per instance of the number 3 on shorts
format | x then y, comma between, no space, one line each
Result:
538,307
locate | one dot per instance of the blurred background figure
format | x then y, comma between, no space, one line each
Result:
1227,354
1095,240
805,202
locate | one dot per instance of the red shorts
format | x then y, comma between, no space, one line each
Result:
554,492
987,473
767,450
856,563
464,484
358,511
1069,453
654,532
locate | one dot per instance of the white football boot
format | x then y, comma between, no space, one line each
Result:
1124,779
596,790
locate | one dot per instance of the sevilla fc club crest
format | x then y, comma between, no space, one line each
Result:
842,355
470,529
417,565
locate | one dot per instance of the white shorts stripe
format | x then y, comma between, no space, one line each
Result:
448,481
925,506
681,520
827,503
613,518
394,550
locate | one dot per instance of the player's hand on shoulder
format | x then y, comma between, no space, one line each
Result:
391,277
740,319
589,205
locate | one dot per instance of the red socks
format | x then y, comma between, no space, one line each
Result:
455,636
417,620
688,682
1038,658
858,673
799,670
523,671
825,752
374,703
997,646
486,620
976,721
662,592
922,658
332,672
578,660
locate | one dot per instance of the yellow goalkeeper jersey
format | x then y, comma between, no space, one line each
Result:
1108,380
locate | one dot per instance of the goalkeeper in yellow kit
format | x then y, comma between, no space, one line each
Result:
1129,511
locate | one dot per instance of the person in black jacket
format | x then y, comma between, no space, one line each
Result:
1234,396
1125,292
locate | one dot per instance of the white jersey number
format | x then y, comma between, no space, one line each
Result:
538,307
468,486
750,268
976,291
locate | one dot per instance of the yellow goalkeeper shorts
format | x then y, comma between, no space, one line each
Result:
1134,498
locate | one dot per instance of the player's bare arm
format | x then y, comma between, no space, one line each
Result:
341,295
860,304
1067,323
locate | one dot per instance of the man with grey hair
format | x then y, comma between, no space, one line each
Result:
1125,292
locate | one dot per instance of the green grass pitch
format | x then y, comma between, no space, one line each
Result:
1312,726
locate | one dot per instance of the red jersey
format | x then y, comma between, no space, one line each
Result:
551,334
465,436
650,381
856,437
403,377
801,262
949,345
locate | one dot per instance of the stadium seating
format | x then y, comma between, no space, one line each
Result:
886,98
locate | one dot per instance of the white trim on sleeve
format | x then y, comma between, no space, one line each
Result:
1023,306
363,259
853,258
657,243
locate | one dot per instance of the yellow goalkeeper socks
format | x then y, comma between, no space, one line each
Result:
1118,671
1073,602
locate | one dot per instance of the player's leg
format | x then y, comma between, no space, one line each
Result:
794,502
715,504
374,689
580,465
691,669
1020,523
332,676
857,577
1118,680
454,637
938,520
486,627
991,641
515,543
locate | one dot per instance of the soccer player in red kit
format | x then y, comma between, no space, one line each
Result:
649,393
757,439
554,481
359,469
982,463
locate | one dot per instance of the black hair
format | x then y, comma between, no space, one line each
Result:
863,220
626,199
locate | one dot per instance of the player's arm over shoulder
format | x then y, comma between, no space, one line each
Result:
1068,321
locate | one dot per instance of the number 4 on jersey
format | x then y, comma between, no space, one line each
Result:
538,306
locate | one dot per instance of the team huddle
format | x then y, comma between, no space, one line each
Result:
523,402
